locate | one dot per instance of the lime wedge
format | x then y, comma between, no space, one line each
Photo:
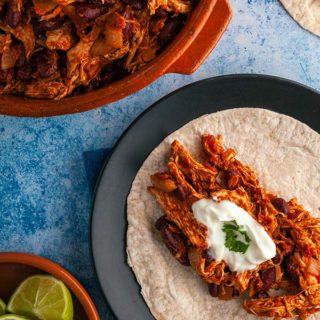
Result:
42,297
2,307
12,317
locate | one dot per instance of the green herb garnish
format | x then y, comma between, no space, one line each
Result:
233,232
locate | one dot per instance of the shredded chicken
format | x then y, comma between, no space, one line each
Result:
180,213
46,90
295,270
42,7
24,33
95,42
60,39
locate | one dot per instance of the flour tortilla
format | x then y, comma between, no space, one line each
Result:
285,154
305,12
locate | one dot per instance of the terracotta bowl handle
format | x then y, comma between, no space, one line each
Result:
206,40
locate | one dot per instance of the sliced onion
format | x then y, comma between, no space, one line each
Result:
195,257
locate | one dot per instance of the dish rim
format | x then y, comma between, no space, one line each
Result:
239,77
162,64
58,271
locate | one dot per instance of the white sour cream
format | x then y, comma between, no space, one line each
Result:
214,214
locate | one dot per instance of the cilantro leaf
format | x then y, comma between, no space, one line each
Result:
232,231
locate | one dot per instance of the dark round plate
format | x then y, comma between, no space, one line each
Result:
109,223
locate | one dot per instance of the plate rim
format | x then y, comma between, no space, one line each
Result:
240,76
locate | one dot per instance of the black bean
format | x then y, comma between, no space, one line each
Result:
214,290
170,30
13,15
90,11
176,242
268,277
171,239
290,269
49,25
161,222
281,205
180,194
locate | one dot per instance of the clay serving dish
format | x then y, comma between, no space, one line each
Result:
15,267
185,54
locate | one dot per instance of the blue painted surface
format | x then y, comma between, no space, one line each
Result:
48,167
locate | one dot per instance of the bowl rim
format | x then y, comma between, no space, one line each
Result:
56,270
22,106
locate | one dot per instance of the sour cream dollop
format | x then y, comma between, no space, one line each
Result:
215,215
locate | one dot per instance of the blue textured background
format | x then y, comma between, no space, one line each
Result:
48,167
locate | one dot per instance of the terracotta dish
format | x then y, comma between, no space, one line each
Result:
184,55
15,267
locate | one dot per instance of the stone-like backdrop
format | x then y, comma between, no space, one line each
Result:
48,167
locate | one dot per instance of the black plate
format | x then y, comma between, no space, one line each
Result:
109,224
